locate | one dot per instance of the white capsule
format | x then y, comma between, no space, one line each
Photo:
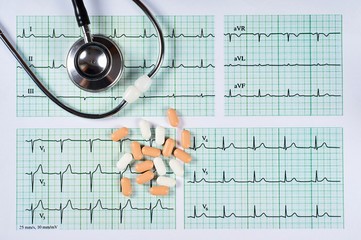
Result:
159,166
145,129
124,161
159,135
176,167
143,83
131,94
166,181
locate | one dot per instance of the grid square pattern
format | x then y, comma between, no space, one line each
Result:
280,65
185,82
265,178
67,178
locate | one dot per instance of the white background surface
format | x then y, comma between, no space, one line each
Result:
351,11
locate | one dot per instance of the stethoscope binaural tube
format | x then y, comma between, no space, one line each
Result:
82,18
131,94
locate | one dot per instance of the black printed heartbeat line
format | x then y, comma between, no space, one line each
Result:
115,98
115,34
255,147
69,170
285,65
287,95
52,66
286,34
90,141
254,179
98,205
173,65
255,214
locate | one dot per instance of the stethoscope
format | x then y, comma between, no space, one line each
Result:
95,63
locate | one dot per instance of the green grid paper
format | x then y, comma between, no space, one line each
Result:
250,201
292,65
54,150
185,83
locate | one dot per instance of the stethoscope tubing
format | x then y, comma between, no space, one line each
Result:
73,111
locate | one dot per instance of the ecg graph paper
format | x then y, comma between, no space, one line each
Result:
265,178
283,65
185,81
67,179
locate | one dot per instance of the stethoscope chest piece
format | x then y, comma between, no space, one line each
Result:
95,66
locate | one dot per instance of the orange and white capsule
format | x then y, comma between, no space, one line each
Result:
168,147
186,139
166,181
145,177
159,166
120,134
173,117
144,166
145,129
176,167
151,151
136,150
159,190
126,186
182,155
124,161
159,135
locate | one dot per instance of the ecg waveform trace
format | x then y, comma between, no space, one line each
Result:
93,207
287,174
254,179
255,214
285,65
90,141
115,98
69,169
224,146
145,34
280,54
288,35
145,65
185,80
287,95
68,178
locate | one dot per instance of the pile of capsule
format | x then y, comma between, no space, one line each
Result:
145,167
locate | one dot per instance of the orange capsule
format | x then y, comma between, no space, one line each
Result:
126,186
173,117
151,151
168,147
136,150
144,166
159,190
120,134
182,155
145,177
186,139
